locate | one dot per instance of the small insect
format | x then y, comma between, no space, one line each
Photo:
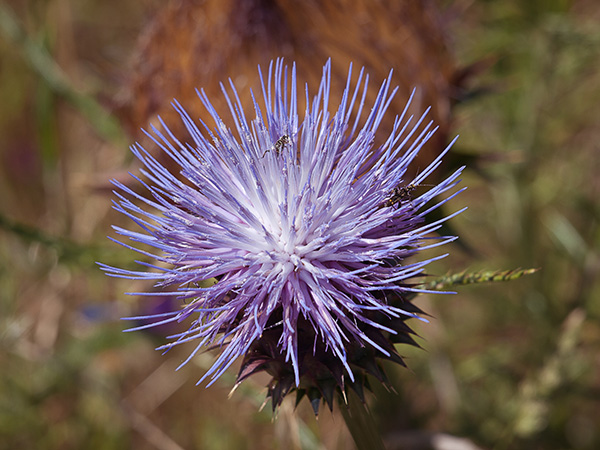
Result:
402,194
278,145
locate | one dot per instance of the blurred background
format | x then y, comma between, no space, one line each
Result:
505,365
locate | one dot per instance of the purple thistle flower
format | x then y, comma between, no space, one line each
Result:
288,240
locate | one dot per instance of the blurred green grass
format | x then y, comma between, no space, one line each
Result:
508,365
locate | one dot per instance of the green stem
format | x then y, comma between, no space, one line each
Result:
67,250
42,63
464,278
360,423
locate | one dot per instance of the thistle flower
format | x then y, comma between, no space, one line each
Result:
286,240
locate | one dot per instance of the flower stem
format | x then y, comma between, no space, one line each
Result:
42,63
360,423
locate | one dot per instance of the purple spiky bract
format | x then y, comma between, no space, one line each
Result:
283,225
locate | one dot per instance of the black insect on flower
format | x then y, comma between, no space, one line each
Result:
281,239
279,144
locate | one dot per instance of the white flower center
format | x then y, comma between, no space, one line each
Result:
286,251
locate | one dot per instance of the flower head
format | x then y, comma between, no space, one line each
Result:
287,239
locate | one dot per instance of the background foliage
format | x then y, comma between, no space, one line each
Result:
507,365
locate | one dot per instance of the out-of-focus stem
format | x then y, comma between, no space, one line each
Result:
360,423
42,63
